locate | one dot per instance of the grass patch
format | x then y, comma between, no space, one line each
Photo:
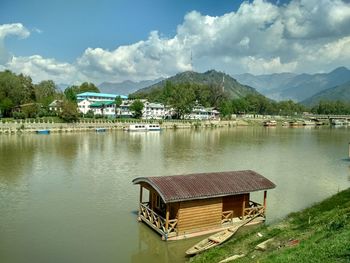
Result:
320,233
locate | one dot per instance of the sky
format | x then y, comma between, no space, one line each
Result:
89,40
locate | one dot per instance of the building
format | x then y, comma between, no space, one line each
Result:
104,108
86,99
155,111
94,96
56,106
202,113
182,206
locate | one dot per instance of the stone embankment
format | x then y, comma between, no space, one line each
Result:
22,126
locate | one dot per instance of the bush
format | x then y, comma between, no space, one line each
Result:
19,115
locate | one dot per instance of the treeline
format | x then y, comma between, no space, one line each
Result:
331,107
21,98
182,97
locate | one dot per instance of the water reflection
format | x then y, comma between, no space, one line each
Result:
73,191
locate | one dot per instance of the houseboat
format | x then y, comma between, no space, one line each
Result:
143,127
183,206
270,123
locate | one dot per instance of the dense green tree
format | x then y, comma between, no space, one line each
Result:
118,101
182,99
46,92
72,91
14,91
136,107
69,111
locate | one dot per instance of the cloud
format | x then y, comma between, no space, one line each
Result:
259,37
40,68
13,29
6,30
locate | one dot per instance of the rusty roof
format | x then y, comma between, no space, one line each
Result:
206,185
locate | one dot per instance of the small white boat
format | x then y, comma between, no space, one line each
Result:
270,123
143,127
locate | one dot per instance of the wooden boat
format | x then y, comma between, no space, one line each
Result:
42,131
212,241
216,239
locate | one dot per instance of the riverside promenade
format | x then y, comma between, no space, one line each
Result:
26,126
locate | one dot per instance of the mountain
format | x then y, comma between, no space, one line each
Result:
341,93
125,87
211,78
282,86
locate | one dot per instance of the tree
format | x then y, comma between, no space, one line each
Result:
118,101
69,111
182,99
136,107
72,91
45,92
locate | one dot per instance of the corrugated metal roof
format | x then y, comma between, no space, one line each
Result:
206,185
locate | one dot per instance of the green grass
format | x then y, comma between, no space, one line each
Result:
323,233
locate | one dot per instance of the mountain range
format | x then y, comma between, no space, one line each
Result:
341,93
212,78
126,87
298,87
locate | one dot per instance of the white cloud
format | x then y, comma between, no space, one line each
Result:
40,68
260,37
13,29
6,30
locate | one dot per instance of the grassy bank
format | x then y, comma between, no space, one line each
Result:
320,233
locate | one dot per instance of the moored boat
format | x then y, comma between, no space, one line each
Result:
143,127
216,239
100,129
270,123
43,131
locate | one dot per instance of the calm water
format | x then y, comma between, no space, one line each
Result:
69,197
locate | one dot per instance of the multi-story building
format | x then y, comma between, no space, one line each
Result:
86,99
202,113
154,111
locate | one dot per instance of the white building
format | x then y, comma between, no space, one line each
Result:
202,113
154,111
86,99
104,108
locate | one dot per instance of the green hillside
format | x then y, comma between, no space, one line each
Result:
212,78
338,93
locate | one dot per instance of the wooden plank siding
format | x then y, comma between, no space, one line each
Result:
199,215
234,202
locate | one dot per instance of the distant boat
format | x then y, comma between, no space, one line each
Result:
309,123
338,122
270,123
296,123
100,129
143,127
42,131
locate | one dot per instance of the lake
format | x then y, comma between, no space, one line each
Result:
69,197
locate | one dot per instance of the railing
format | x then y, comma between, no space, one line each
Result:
254,209
157,221
227,216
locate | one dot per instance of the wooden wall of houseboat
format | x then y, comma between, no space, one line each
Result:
199,215
235,203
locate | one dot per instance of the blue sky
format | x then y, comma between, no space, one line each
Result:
74,41
69,27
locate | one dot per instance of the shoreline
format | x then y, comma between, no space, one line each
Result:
25,127
22,127
319,232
